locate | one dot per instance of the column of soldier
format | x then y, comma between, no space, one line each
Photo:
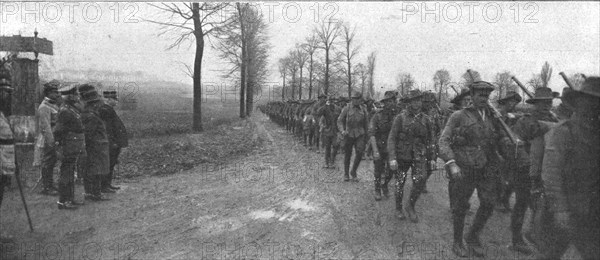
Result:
82,131
548,157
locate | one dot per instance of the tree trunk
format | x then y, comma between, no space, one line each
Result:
440,93
249,85
349,77
243,83
362,86
310,77
197,78
283,89
243,86
300,86
293,85
326,87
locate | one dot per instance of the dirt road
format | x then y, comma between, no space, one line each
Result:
276,204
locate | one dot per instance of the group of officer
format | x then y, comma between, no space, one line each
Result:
547,157
80,129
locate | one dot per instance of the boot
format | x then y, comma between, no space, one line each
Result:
458,223
385,191
401,215
519,245
347,166
66,205
474,244
355,165
410,211
458,248
377,189
414,196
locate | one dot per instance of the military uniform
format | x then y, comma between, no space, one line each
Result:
470,140
96,165
353,121
571,183
407,144
117,139
379,129
328,115
46,120
71,145
315,127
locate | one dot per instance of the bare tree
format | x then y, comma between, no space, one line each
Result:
185,20
371,71
361,72
350,51
300,57
327,32
576,79
404,83
505,83
284,64
441,78
292,70
535,82
311,47
244,44
546,74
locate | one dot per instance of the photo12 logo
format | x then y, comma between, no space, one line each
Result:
36,12
473,12
290,12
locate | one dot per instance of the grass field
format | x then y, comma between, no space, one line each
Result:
162,141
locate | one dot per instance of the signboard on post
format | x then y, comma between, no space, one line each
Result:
18,43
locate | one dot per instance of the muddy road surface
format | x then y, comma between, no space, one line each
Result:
278,203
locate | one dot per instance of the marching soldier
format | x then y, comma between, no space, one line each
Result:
46,120
379,129
571,180
407,148
70,142
434,114
470,162
514,174
328,115
117,136
314,110
353,124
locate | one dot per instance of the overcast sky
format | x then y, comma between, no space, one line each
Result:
519,38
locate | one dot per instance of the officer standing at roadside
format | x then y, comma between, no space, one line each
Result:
68,134
46,120
117,136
